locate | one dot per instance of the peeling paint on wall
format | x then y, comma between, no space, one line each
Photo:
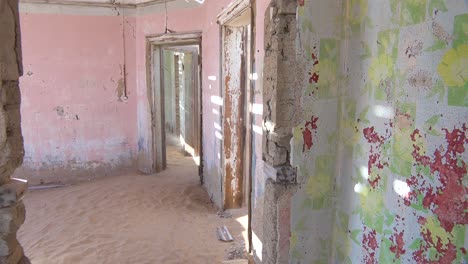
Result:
73,127
120,89
391,101
309,131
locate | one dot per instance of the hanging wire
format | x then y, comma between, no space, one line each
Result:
165,6
124,68
167,29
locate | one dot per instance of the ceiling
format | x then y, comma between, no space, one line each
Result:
108,2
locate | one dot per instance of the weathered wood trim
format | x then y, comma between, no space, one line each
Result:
176,38
232,11
149,168
252,64
238,14
159,140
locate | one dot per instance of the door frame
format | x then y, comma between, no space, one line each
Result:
195,83
228,16
155,44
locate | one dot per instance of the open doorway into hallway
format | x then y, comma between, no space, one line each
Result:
175,96
181,85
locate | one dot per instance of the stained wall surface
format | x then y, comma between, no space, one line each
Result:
79,65
381,151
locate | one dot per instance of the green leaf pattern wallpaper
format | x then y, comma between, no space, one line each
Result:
381,153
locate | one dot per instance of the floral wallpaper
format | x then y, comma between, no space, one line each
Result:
381,152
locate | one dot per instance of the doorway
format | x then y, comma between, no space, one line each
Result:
237,86
237,62
174,90
180,81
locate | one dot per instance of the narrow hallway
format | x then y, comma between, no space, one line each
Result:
108,219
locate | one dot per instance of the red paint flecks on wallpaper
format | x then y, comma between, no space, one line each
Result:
372,136
447,200
308,132
375,154
314,78
398,246
370,245
314,74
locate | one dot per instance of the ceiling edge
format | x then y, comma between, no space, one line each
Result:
94,4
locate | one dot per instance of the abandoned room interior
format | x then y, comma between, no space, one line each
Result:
303,131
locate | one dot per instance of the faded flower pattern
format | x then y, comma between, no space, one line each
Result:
381,69
454,66
392,97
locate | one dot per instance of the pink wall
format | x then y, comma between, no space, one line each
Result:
87,52
73,120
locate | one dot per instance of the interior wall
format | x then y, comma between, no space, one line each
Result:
138,25
75,114
380,152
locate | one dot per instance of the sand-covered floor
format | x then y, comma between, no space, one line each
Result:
163,218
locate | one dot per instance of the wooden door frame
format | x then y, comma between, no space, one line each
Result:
196,73
237,9
155,89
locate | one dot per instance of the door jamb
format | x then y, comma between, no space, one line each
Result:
236,9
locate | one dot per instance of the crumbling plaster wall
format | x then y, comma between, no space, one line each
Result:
380,150
12,210
282,86
79,92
